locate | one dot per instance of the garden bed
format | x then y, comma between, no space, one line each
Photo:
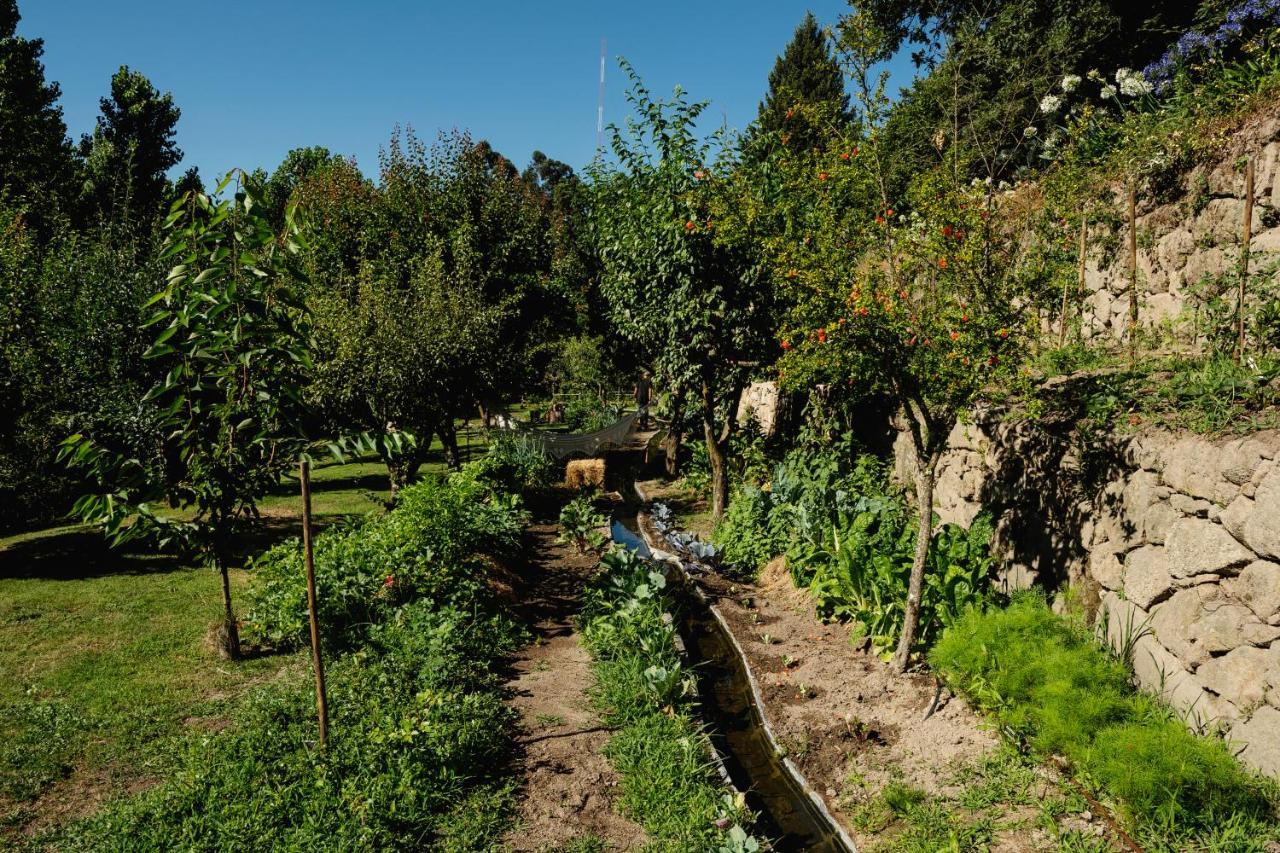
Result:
892,774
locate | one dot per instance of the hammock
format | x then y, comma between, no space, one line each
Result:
561,445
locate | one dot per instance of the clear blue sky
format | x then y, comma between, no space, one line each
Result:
254,79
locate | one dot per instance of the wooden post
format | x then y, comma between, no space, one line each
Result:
322,704
1244,257
1084,243
1133,274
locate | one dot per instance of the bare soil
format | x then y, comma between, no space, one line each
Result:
568,789
851,724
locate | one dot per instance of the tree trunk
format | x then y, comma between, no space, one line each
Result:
925,476
229,636
449,438
716,454
675,434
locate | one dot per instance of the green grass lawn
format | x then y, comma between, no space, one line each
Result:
106,661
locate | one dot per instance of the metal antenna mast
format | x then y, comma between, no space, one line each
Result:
600,102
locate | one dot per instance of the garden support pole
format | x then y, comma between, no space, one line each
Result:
1084,242
322,703
1245,239
1133,274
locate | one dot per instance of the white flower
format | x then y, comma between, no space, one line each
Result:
1095,75
1108,91
1030,131
1132,83
1050,104
1070,82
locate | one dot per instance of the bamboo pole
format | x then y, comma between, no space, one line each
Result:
1084,240
1133,275
322,704
1244,257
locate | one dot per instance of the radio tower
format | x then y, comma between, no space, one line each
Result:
600,102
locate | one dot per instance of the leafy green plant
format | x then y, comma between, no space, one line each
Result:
428,548
1048,681
642,686
233,344
580,524
419,730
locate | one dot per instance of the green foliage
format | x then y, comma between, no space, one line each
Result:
36,166
662,756
232,348
580,524
690,295
130,150
419,729
426,549
1048,681
850,538
513,463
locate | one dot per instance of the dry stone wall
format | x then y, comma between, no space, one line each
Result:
1193,234
1174,538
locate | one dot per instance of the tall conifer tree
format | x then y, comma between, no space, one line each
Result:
806,90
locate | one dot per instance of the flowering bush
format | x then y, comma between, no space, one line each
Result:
1245,21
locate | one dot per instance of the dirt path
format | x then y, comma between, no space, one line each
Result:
568,788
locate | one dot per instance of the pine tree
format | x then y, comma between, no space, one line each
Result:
806,92
36,163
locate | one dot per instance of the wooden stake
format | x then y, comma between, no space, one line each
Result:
1133,275
1084,240
1244,257
322,704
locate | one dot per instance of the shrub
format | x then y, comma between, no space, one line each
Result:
513,464
425,549
579,523
744,536
1049,681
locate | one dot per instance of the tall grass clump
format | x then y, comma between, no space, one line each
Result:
419,730
1049,682
668,782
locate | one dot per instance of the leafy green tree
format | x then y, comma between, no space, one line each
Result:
298,165
401,360
130,150
694,300
806,100
36,163
986,66
233,349
928,309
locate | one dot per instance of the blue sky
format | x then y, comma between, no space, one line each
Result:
254,79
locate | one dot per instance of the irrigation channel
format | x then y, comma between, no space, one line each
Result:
787,813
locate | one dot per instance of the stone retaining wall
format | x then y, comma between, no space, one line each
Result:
1174,538
1193,233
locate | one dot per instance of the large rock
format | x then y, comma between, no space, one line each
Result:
1242,676
1105,567
1260,736
1196,546
1191,467
1198,623
1146,578
1159,672
1236,516
1240,458
1258,586
1262,530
